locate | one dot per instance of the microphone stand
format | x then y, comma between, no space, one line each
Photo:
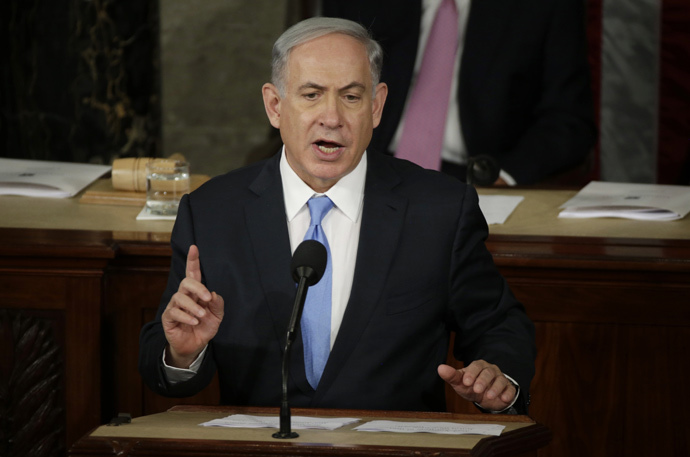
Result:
300,297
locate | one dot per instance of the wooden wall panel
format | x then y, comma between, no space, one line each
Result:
607,389
128,294
610,348
71,384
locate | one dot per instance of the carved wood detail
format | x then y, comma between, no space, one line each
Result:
32,413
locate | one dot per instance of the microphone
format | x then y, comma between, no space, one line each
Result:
308,265
482,170
309,261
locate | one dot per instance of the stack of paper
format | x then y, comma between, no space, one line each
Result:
651,202
333,423
35,178
297,422
443,428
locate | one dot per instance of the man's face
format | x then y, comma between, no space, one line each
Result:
327,114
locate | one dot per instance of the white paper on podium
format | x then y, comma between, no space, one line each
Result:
297,422
649,202
443,428
497,208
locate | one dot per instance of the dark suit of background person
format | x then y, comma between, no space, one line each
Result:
524,85
422,269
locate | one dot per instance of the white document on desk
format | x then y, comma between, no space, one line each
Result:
497,208
297,422
651,202
443,428
38,178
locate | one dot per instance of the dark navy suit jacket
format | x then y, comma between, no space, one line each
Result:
524,85
422,270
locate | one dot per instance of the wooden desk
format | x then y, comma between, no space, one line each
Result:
177,433
610,300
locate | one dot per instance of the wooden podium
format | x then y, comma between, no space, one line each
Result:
177,433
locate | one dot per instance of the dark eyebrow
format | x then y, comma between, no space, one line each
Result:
352,85
311,86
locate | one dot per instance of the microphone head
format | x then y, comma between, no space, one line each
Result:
482,170
309,261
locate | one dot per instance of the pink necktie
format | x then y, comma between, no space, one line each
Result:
425,122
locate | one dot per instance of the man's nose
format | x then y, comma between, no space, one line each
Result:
331,115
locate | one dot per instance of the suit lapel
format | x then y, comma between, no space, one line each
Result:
270,244
382,220
267,226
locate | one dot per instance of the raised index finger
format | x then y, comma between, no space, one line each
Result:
193,269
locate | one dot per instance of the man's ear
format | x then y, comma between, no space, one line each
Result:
272,103
378,102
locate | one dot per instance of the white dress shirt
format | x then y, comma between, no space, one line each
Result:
341,226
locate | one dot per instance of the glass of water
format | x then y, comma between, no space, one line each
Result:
166,182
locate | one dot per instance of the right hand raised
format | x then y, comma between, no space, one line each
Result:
192,317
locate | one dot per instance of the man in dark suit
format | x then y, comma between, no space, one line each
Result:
408,259
523,92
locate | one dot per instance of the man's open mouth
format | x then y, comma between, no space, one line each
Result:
328,147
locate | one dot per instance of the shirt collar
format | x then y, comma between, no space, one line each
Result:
347,194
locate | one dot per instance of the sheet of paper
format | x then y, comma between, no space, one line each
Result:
497,208
297,422
653,202
38,178
443,428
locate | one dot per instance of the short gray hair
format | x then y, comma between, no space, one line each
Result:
316,27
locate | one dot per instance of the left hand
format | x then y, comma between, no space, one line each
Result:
480,382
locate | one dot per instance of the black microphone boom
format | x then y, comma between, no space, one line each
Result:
308,265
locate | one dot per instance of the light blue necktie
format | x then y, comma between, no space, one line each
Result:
316,317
